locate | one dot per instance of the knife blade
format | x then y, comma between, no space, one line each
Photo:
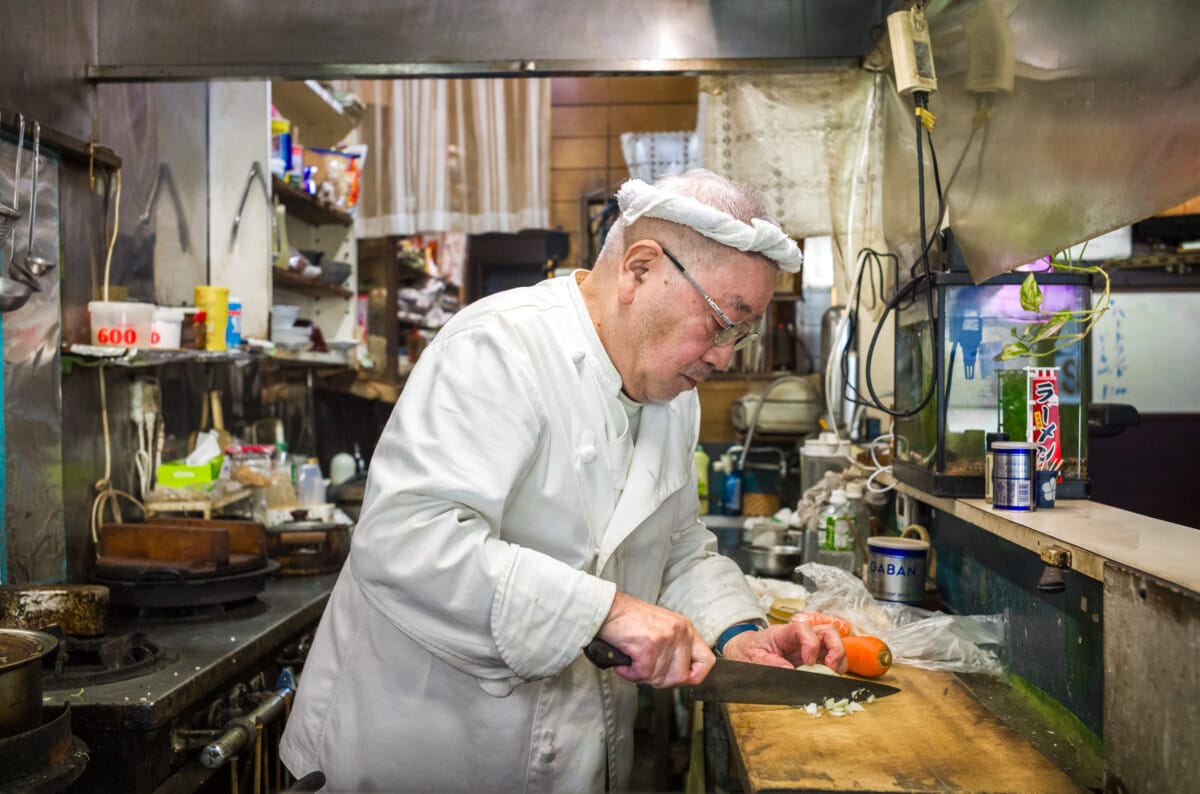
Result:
743,682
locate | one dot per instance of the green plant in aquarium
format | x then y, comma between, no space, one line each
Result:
1048,330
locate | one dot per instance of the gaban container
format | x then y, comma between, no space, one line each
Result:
896,569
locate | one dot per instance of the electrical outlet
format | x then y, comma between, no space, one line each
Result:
912,55
143,398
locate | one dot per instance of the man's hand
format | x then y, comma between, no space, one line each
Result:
665,647
790,645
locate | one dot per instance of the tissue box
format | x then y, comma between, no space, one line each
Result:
178,474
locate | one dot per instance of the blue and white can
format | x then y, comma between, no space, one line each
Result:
1014,475
896,569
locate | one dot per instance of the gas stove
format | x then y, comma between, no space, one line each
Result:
162,684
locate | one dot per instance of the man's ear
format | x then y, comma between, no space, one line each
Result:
636,267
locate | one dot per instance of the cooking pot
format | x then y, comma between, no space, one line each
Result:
780,561
80,610
21,654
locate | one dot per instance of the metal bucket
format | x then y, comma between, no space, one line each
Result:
21,654
896,569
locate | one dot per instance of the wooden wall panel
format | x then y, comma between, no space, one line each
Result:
653,90
567,121
579,152
580,91
587,117
651,118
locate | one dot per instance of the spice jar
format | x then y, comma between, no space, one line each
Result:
199,324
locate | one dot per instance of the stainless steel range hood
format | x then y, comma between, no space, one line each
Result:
148,40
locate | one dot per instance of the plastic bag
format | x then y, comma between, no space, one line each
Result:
767,590
932,640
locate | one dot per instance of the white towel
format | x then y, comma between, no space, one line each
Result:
638,199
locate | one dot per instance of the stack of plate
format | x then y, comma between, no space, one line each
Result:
284,331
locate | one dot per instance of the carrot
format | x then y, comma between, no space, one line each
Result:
820,619
869,657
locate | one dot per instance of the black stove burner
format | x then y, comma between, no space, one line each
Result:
46,759
245,608
103,660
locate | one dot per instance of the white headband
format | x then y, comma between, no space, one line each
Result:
638,199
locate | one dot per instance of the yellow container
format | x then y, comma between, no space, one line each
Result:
214,302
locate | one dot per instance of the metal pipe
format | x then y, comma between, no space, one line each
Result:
240,731
762,400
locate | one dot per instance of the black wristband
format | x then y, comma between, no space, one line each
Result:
731,632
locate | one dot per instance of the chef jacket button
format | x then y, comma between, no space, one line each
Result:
577,356
587,454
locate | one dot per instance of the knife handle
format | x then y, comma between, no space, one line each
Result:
603,655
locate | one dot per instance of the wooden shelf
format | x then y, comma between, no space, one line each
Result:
323,120
306,208
286,279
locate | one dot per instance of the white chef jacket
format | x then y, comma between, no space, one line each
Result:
491,542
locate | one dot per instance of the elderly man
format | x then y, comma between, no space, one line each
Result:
534,490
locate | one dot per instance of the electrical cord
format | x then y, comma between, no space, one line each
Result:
917,280
106,495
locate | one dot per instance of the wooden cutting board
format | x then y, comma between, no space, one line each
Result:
931,736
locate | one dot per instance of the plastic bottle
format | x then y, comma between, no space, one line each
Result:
857,509
716,485
732,500
837,541
341,468
812,540
233,330
835,520
822,454
702,461
310,485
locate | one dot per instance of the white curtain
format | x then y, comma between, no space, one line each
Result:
468,156
811,143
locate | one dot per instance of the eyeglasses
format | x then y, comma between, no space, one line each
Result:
737,335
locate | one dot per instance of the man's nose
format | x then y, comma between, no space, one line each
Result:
720,357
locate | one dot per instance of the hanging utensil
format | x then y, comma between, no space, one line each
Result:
13,293
27,272
10,215
35,266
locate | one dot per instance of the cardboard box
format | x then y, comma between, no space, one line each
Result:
177,474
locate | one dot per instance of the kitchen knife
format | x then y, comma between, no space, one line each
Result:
742,682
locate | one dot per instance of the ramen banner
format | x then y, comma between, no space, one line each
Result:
1042,424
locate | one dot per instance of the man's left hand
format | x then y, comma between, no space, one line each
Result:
789,645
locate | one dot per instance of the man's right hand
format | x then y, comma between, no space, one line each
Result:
666,649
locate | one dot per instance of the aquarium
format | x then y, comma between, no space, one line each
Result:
940,449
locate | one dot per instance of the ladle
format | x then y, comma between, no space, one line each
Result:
35,266
10,215
14,293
